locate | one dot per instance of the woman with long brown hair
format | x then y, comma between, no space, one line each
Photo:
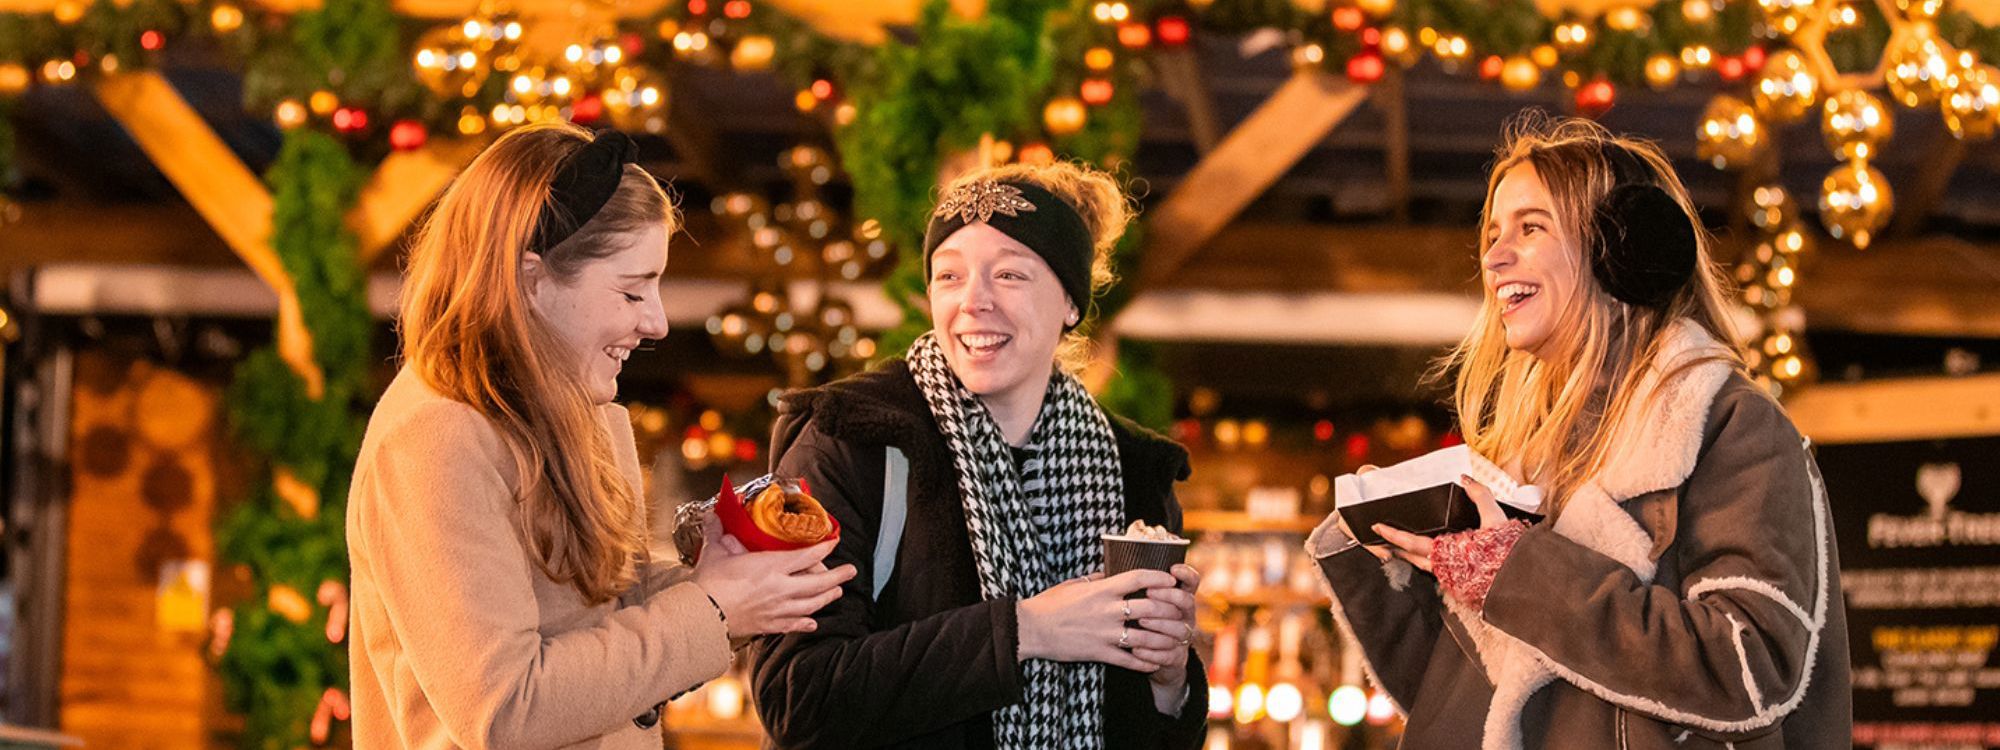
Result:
1682,591
510,585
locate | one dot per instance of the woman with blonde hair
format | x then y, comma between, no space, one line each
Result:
972,480
508,591
1682,591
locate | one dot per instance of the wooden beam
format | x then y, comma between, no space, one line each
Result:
1918,200
1899,409
1180,75
1254,155
401,188
224,191
96,233
209,175
1393,100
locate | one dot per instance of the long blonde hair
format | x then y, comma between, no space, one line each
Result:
1106,209
1558,417
469,330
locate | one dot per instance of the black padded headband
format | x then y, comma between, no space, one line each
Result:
1032,216
581,187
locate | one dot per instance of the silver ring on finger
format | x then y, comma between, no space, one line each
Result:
1188,637
1128,610
1124,637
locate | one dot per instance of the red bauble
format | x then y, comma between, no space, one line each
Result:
1134,35
1596,98
1731,68
408,135
1357,447
1366,67
151,40
1489,68
746,450
350,120
1753,59
587,110
1348,18
697,7
736,9
1173,31
1095,92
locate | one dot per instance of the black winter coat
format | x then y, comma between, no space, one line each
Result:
928,664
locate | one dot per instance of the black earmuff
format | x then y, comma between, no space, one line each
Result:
1646,245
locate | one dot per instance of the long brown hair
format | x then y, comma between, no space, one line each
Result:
469,330
1556,417
1106,209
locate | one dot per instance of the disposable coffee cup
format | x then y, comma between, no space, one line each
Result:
1123,553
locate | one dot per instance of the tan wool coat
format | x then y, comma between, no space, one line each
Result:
458,640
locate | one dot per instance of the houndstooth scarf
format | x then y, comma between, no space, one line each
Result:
1021,552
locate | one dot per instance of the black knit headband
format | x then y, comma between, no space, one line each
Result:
1032,216
581,188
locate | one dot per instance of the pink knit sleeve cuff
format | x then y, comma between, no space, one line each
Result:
1466,562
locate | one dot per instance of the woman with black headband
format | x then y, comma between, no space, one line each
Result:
1683,591
508,580
972,481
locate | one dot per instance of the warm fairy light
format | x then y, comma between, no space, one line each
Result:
1284,703
1221,702
1249,703
1380,708
1348,705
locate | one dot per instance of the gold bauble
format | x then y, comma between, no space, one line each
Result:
1064,115
1972,109
1698,11
1572,38
290,114
226,18
14,78
1545,55
1786,89
1856,124
448,63
753,53
1520,74
1854,202
1627,18
1662,70
323,102
68,12
1919,67
1730,134
1397,47
1788,16
637,100
1921,10
1771,208
1376,8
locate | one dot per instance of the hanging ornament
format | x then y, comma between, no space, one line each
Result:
448,64
1365,68
67,12
290,114
1490,66
1731,68
1519,73
1788,16
1698,12
1972,109
1697,57
407,135
1626,18
1376,8
151,40
1918,67
1099,59
1135,35
1595,98
1855,124
1309,55
1096,92
1111,12
1064,116
1452,51
323,102
1662,71
637,100
14,78
350,120
1349,18
225,18
1771,208
1730,135
1786,89
1921,10
1572,38
1854,202
1173,31
470,122
1396,46
753,53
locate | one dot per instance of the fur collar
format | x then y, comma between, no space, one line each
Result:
1656,452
